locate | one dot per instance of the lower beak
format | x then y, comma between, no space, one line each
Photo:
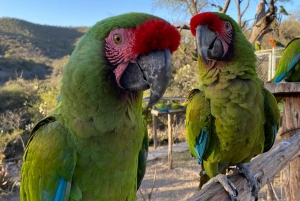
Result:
150,71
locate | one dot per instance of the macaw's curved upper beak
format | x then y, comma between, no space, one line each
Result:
209,45
150,71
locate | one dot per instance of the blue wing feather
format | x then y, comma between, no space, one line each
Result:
290,67
275,131
201,144
280,77
198,124
61,190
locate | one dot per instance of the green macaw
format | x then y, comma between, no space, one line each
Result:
93,145
288,67
230,117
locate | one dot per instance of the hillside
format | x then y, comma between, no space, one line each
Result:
31,51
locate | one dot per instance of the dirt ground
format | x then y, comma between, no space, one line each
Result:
11,192
181,182
177,184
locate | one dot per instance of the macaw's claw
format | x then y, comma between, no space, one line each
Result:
243,169
227,185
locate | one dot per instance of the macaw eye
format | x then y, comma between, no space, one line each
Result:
227,25
117,39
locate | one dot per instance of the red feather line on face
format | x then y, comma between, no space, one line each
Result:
122,52
156,34
209,19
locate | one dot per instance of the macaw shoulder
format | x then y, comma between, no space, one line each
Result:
49,141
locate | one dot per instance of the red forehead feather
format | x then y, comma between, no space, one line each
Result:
156,34
209,19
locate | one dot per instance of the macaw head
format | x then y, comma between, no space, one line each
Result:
122,55
140,54
215,36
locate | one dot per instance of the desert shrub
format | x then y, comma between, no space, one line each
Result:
6,137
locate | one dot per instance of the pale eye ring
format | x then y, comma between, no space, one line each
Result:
227,25
117,38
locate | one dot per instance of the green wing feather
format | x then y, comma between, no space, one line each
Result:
47,159
272,119
288,67
142,161
198,123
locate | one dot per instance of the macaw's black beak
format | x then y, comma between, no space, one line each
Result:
150,71
209,45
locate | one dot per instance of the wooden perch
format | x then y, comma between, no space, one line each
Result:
283,88
264,168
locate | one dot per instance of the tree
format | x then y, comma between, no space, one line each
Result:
239,12
267,18
12,120
263,21
181,6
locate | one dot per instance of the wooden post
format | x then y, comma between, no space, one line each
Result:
290,92
290,126
154,122
271,194
170,140
291,116
170,113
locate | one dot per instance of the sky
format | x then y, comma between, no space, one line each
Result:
88,12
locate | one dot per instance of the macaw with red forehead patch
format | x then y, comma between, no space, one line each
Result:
230,117
93,145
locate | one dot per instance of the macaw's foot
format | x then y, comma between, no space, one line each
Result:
227,185
243,169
